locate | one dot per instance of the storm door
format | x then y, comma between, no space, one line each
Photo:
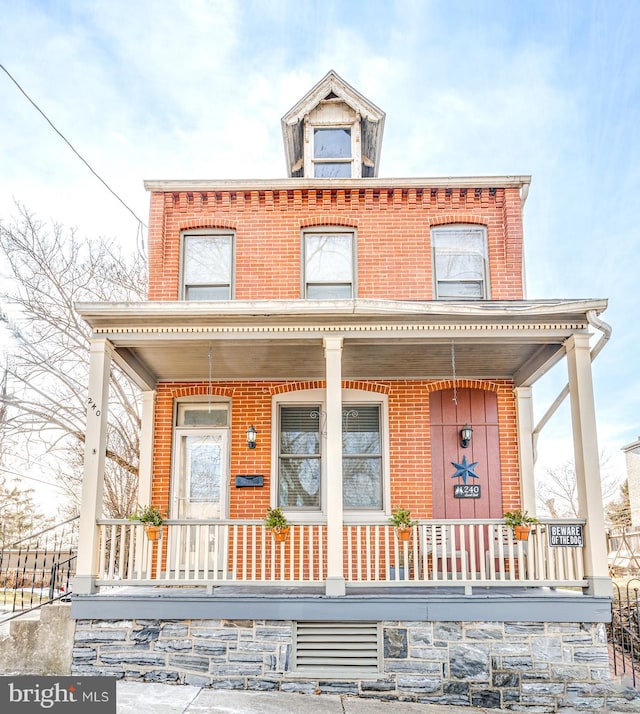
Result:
199,492
202,474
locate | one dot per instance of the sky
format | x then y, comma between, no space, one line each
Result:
196,89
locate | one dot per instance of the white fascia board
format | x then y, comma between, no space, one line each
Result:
168,186
175,310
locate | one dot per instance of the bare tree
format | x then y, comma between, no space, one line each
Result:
49,271
558,491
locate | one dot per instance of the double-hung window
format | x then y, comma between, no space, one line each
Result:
332,153
328,265
207,266
460,262
301,441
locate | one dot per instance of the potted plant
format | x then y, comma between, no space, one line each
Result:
152,517
277,523
521,523
400,519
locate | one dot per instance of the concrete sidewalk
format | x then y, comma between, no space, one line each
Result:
147,698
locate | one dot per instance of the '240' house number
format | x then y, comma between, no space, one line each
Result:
466,490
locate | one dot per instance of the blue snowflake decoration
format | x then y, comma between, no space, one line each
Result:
465,470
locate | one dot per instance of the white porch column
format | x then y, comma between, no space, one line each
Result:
524,409
585,444
94,455
146,447
335,584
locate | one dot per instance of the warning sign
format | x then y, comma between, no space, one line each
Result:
571,535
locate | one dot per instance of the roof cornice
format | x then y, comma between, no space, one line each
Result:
170,312
300,184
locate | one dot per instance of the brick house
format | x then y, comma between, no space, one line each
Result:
319,343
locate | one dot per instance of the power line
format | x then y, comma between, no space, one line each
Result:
70,145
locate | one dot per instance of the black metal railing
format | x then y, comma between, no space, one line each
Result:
38,569
624,632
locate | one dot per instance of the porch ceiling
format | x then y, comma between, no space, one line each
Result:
382,339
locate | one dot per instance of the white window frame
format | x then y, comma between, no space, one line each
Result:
309,148
204,233
458,228
328,230
315,398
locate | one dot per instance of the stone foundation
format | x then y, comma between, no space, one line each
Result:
547,667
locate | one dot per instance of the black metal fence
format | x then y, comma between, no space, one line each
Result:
624,632
38,569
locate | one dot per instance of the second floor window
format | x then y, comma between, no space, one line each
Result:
460,262
328,265
207,266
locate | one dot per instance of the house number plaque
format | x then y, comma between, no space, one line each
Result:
466,490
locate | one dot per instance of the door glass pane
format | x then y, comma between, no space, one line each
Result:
203,462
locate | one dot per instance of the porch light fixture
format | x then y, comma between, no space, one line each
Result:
251,437
465,436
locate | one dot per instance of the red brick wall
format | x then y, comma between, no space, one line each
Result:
409,456
392,226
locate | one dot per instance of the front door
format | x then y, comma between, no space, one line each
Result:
466,481
479,409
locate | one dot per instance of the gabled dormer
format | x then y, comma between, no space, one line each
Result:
333,132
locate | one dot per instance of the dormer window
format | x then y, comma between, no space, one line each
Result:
332,152
333,132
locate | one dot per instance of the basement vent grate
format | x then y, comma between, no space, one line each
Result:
337,648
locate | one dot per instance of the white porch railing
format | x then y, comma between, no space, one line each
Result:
469,553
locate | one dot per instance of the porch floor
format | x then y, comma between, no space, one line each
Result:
376,603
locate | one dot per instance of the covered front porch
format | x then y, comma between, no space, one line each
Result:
336,345
467,554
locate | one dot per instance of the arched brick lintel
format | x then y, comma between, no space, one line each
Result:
457,218
199,390
463,384
329,220
321,384
212,222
